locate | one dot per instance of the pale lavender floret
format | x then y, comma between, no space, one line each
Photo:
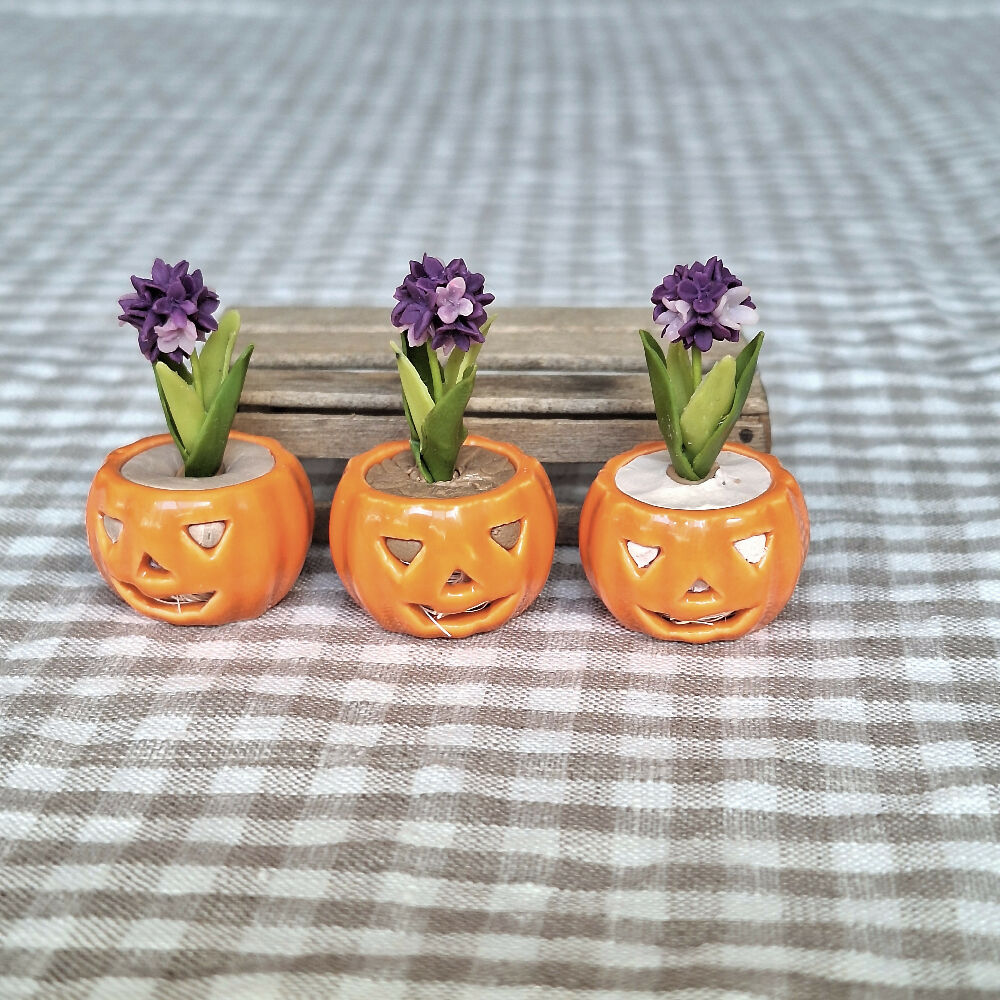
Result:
176,334
673,317
733,312
450,301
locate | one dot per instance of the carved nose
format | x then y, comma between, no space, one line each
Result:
149,564
458,576
701,593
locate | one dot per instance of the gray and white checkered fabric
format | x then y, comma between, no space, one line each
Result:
304,806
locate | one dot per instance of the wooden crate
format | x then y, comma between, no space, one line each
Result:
569,386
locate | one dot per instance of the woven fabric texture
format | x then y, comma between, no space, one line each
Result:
305,806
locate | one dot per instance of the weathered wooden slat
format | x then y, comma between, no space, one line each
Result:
522,338
565,394
324,435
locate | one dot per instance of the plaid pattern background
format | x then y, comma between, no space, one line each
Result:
304,806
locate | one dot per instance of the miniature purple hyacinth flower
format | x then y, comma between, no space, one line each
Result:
702,303
443,304
171,309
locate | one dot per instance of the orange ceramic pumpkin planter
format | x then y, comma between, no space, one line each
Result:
694,575
217,551
691,538
463,573
444,535
203,526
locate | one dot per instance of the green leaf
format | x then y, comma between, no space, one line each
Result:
205,456
196,379
171,426
421,359
679,370
444,431
459,362
419,459
472,354
453,368
414,436
216,355
666,400
748,357
476,346
746,364
183,404
434,366
710,403
415,443
415,391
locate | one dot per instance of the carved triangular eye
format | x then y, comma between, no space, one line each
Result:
642,555
404,549
506,534
752,549
208,534
112,526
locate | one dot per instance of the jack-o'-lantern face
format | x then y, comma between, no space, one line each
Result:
694,575
202,556
444,567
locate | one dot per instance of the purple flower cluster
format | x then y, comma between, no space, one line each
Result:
172,310
702,303
446,304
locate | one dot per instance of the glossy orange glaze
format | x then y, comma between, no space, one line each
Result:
267,521
455,541
695,547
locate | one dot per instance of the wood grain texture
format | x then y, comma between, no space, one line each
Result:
324,435
522,338
568,394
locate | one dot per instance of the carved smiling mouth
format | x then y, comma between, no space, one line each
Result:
446,622
180,599
442,620
184,603
438,615
706,620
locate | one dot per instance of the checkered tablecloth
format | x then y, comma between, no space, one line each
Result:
304,806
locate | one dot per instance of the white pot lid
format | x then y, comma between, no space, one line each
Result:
162,468
739,480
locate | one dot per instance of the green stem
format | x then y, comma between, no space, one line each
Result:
435,367
181,369
695,366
